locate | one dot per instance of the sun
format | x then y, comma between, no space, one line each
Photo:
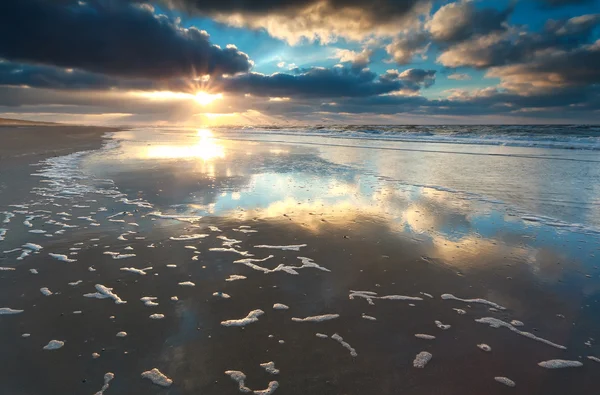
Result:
204,98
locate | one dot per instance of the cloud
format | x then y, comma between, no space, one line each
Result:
313,20
114,38
516,46
358,59
461,20
405,47
327,82
562,3
459,77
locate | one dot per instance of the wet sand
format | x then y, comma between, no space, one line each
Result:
530,271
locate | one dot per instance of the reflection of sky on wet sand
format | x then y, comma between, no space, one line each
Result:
197,173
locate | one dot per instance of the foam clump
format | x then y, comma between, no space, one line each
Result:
157,378
422,359
560,364
595,359
368,317
8,311
122,334
484,347
32,246
45,291
235,277
187,284
340,340
280,306
157,316
249,319
273,385
317,318
517,323
496,323
62,257
442,326
322,336
108,377
222,295
506,381
54,345
105,293
424,336
239,378
370,295
194,236
477,300
293,247
269,367
221,249
141,272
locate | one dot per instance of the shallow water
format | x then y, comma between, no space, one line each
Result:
367,247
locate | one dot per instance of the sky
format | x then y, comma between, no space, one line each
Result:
296,62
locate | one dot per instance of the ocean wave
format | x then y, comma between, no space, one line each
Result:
573,137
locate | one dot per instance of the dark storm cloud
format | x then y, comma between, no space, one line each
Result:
376,9
110,37
322,82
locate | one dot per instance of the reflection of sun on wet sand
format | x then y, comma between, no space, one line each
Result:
226,263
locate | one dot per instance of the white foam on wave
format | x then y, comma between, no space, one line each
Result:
194,236
23,255
235,277
32,246
244,230
477,300
214,229
424,336
496,323
182,218
3,232
117,255
75,283
517,323
368,317
592,358
249,262
442,326
62,257
157,316
269,367
54,345
316,318
6,269
38,231
242,253
157,378
460,311
560,364
344,344
249,319
227,242
279,306
105,293
9,311
222,295
422,359
273,385
149,301
293,247
45,291
239,378
506,381
187,284
141,272
108,377
370,295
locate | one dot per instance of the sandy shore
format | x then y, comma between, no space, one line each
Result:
379,285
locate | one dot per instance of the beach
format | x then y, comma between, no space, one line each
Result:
356,265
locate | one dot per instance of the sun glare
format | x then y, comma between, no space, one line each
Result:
205,99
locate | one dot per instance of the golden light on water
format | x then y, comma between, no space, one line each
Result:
206,148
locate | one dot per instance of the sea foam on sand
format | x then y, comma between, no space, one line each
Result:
505,380
496,323
249,319
157,377
559,364
477,300
317,318
108,377
8,311
422,359
54,345
105,293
